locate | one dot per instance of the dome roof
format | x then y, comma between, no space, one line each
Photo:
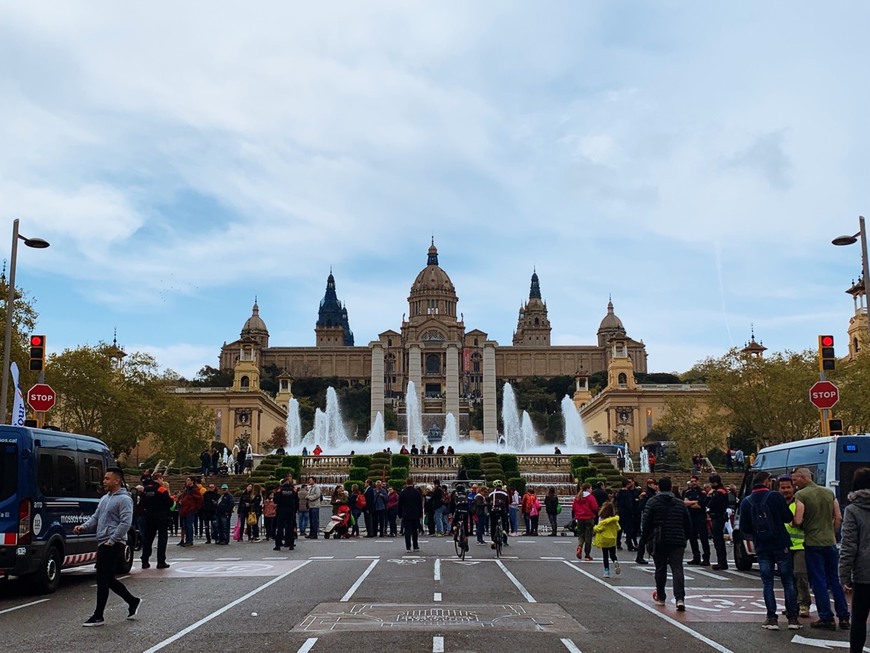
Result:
432,278
611,322
254,324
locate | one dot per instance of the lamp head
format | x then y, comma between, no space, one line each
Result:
36,243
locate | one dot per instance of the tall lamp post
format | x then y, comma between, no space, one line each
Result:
849,240
37,243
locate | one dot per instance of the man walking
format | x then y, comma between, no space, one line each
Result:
626,507
763,516
206,513
286,506
696,502
666,524
798,555
369,510
381,508
315,494
410,512
223,512
157,504
818,512
717,506
111,521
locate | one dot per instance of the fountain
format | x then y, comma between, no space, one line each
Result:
451,433
414,422
575,437
328,429
376,436
529,435
294,426
519,434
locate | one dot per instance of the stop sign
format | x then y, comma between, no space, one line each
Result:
824,394
41,397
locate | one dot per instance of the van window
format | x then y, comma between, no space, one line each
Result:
771,459
45,474
8,471
93,471
67,475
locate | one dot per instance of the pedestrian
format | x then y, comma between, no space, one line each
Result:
392,509
695,500
381,508
410,508
729,460
480,510
763,516
190,503
223,513
357,504
798,555
652,463
513,510
157,505
215,461
854,567
584,509
605,536
269,509
209,503
717,506
666,524
302,494
369,510
818,512
314,497
627,509
551,506
111,521
286,507
205,462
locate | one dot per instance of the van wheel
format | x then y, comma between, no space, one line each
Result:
125,564
47,578
742,561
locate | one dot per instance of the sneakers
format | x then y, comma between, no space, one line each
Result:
694,562
134,609
616,567
146,565
824,625
771,623
641,561
793,623
588,558
845,624
94,621
606,573
657,600
681,606
804,611
163,565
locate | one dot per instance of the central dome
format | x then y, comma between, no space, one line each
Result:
432,293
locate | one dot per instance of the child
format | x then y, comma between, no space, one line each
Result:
605,536
269,512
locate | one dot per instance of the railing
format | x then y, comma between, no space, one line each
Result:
326,462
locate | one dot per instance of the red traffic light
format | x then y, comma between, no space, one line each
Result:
826,341
37,341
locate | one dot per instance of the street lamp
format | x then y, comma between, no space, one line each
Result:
849,240
37,243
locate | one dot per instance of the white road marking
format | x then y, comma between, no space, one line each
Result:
25,605
709,574
742,575
359,581
308,645
217,613
437,570
437,597
181,559
713,644
227,559
517,583
368,557
571,646
274,558
437,645
821,643
320,557
553,558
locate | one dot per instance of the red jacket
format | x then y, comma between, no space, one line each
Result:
191,501
584,507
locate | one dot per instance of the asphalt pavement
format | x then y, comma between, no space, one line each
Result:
370,594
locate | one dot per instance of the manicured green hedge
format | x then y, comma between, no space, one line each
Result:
593,480
470,461
397,484
474,474
381,456
361,461
583,473
518,483
281,472
357,474
399,473
509,463
578,461
400,460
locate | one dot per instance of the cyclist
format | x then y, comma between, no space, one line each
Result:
459,509
499,504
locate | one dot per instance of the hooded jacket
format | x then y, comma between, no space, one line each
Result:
855,540
112,518
668,514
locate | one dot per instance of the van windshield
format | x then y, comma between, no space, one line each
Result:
8,470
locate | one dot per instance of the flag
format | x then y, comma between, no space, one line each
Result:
19,412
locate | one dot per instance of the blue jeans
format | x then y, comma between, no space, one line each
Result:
314,518
189,521
303,521
767,561
441,524
512,513
822,562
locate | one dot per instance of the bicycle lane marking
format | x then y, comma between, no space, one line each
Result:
169,640
689,631
516,582
359,581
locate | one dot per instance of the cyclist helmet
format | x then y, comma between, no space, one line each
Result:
460,488
497,484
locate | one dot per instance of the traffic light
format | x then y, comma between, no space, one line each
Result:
835,427
37,352
827,359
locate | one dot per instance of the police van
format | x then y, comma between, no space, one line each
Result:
831,460
50,482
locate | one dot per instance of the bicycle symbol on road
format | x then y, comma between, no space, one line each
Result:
225,569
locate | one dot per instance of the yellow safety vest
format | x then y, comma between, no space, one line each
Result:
797,534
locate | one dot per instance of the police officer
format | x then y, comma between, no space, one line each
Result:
286,506
156,503
696,501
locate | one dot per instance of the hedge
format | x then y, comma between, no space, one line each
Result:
474,474
518,483
281,472
361,461
397,484
399,473
583,473
291,461
357,473
593,480
400,460
470,461
381,456
578,461
509,462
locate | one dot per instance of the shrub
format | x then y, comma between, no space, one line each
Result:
595,479
349,484
397,484
578,461
488,454
357,473
399,473
470,461
291,461
281,472
381,456
509,462
361,461
400,460
518,483
474,474
583,473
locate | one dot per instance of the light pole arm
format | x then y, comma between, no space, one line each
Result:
10,310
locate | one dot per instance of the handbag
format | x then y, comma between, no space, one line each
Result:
237,531
252,519
558,508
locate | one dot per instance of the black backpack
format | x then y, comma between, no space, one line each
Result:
763,524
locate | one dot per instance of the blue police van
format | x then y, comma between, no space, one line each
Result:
50,482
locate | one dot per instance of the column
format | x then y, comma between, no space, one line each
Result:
490,421
452,390
415,371
377,380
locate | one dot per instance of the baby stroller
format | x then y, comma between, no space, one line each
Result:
339,523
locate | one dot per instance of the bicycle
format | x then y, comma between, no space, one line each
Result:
498,537
460,539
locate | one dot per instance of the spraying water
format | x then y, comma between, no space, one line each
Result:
412,413
451,433
528,433
294,426
328,429
575,436
377,436
514,437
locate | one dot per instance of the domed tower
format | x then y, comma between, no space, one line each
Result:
533,325
333,326
255,329
610,327
432,293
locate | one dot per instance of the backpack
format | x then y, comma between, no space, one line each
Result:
763,525
360,501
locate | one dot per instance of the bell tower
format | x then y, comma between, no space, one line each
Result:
533,325
620,370
246,373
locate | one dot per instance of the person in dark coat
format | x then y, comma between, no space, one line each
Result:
369,512
286,507
410,512
667,525
696,501
626,508
717,506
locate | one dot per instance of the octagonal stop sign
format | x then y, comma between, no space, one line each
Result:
41,397
824,395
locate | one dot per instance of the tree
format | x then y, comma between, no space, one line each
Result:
278,439
693,424
211,377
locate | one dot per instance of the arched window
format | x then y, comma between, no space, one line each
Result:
433,364
537,322
245,382
622,380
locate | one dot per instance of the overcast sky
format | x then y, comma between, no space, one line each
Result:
692,160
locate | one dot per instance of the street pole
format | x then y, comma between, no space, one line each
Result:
10,305
864,268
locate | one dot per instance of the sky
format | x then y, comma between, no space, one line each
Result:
692,161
